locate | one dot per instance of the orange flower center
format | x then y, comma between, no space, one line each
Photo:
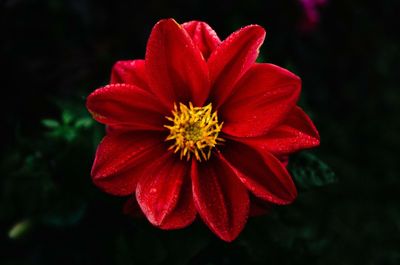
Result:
194,131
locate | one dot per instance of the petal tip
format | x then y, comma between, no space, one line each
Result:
167,21
256,29
229,238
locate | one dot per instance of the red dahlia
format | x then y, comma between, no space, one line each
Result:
199,128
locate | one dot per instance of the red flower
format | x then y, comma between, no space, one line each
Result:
199,128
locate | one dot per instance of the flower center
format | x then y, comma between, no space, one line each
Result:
194,130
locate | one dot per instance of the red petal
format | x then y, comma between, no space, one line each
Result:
184,212
126,106
129,72
121,158
231,59
262,173
164,193
261,100
176,70
297,132
203,36
221,200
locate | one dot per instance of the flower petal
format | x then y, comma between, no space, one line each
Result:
184,212
261,100
203,36
262,173
131,72
297,132
126,106
176,70
221,200
231,59
163,193
121,158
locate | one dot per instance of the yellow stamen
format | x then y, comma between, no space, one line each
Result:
194,130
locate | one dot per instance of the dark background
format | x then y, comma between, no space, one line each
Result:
54,53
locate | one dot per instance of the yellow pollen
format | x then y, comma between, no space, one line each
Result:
194,131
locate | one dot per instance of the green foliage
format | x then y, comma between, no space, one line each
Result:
310,172
44,186
70,123
19,229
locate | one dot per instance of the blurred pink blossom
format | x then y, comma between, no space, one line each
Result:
310,16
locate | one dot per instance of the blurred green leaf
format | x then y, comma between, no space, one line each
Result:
50,123
84,123
74,119
309,171
67,116
20,229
